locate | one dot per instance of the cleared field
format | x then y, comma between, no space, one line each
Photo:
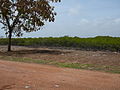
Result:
90,60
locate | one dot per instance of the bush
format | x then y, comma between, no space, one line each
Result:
97,43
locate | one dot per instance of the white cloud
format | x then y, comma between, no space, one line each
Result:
99,22
74,10
83,22
117,20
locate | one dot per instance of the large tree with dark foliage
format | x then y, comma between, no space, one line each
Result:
25,15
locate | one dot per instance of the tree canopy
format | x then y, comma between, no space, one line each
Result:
25,15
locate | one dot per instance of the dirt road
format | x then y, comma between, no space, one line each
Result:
23,76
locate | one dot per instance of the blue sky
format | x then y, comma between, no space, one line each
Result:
82,18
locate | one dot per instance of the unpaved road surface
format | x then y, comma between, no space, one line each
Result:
24,76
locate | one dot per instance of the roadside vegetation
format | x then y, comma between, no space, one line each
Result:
110,69
105,43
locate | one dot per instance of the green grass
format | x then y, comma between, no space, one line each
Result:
111,69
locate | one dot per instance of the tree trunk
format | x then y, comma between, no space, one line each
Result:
10,33
9,40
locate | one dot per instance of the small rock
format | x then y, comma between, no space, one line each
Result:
95,55
76,54
57,86
115,52
62,54
27,86
104,55
90,68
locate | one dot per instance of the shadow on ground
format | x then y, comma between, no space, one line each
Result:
23,52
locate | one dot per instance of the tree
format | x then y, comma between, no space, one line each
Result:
25,15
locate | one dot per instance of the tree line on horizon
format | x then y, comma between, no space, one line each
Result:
105,43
